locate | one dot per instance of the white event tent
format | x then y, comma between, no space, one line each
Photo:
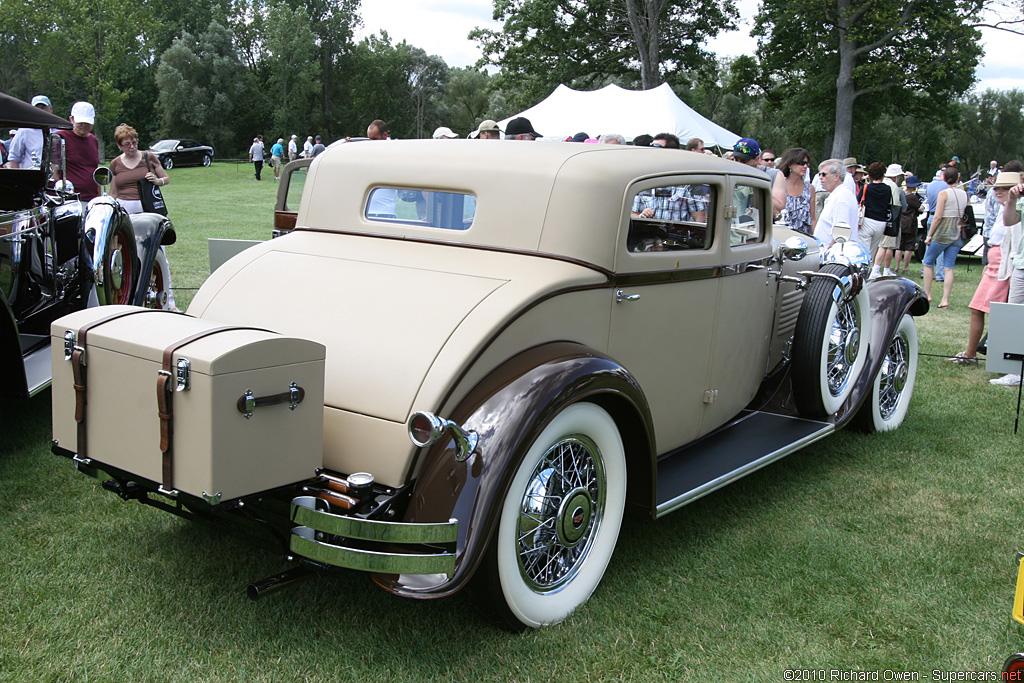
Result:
629,113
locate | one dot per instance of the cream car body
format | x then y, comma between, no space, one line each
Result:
518,305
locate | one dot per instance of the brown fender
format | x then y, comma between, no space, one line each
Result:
889,300
508,409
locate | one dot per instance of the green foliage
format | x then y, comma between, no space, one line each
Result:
200,83
466,100
870,56
581,42
991,126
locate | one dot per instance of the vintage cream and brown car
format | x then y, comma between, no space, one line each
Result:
469,358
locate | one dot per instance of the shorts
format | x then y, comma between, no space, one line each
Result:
908,238
889,242
275,161
947,252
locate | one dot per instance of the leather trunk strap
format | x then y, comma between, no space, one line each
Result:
165,385
78,369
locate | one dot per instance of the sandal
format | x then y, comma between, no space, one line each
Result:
963,359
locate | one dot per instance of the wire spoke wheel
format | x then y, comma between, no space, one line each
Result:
560,513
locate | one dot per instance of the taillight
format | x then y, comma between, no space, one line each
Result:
424,428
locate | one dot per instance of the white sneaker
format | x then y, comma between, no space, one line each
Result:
1006,381
875,272
888,273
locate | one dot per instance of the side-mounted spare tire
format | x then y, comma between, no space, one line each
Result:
830,342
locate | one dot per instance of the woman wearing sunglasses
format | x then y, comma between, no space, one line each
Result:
793,191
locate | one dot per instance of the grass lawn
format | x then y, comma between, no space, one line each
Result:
885,552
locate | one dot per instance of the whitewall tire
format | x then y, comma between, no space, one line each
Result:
830,345
559,521
893,387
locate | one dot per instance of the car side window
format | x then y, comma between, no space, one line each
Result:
672,218
747,223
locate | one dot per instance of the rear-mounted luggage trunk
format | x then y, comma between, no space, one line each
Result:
214,411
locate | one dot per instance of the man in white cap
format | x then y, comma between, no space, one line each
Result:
444,133
293,148
81,151
27,144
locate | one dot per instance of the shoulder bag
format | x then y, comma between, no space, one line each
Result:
150,195
967,226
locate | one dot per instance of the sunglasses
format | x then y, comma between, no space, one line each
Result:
768,159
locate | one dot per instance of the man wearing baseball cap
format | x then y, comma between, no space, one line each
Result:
81,151
444,133
520,129
487,130
27,144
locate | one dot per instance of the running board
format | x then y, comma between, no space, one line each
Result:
38,372
747,445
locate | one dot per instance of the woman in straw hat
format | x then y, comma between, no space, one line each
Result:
995,279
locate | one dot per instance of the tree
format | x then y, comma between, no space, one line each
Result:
427,76
582,42
872,56
292,65
200,83
81,49
466,99
991,127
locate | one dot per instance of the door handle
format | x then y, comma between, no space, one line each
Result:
621,296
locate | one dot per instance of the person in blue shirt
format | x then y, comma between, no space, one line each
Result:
276,156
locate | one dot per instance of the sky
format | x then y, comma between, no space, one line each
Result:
440,27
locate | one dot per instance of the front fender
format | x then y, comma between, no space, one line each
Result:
889,299
151,231
508,410
12,366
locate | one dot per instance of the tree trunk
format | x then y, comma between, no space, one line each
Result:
846,92
644,17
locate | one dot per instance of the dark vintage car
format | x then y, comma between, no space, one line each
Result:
182,153
58,255
494,356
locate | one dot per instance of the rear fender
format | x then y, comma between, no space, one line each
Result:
508,410
889,299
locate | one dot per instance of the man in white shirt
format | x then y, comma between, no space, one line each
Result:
293,148
840,207
27,144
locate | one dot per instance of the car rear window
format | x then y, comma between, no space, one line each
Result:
424,208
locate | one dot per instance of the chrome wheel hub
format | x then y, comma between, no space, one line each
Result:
560,513
574,515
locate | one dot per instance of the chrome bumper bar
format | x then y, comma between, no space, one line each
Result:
310,521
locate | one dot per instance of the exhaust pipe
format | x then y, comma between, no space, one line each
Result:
272,584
